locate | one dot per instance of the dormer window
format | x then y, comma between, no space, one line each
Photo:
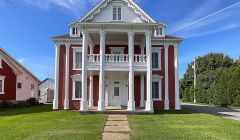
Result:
74,32
117,13
159,32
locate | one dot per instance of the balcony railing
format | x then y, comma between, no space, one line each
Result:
117,58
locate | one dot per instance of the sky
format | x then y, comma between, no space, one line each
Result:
26,27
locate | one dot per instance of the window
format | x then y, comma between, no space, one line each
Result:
159,32
32,86
74,31
19,85
116,91
77,58
0,63
77,89
155,60
2,79
156,90
117,13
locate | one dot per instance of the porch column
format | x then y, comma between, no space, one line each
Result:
90,103
142,101
101,101
131,102
149,102
166,101
84,102
57,53
66,100
177,102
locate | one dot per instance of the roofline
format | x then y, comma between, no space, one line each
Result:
20,65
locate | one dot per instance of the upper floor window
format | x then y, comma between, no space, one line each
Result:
156,58
2,79
74,32
159,32
117,13
77,58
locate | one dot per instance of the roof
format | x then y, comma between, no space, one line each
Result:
46,80
131,4
15,65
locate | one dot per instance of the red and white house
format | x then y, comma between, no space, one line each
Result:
116,55
16,82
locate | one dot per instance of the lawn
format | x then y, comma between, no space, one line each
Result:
41,123
183,125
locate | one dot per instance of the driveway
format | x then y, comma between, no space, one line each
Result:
213,110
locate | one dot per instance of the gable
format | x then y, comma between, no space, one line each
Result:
131,13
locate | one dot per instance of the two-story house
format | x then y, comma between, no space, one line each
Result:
116,55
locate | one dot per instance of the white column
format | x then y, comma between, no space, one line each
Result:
66,100
84,102
142,101
177,101
166,101
90,103
149,102
131,102
55,100
101,101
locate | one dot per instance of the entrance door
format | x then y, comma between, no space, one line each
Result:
116,93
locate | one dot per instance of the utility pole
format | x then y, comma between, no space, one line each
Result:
195,80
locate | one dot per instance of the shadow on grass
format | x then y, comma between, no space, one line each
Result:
25,110
158,112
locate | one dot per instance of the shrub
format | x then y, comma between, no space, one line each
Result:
237,101
32,101
7,104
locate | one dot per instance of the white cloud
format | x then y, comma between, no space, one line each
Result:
74,6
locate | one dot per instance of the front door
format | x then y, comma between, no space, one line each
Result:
117,93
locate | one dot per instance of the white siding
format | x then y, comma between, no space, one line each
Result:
128,15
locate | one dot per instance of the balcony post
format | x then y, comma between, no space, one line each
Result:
84,102
149,102
101,101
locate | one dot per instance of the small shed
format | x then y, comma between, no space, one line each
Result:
46,91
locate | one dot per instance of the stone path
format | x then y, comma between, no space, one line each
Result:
117,128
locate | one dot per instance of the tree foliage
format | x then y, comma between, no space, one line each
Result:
218,81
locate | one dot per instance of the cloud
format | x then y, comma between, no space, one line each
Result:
76,7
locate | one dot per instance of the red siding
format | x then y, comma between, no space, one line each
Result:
62,64
171,73
9,82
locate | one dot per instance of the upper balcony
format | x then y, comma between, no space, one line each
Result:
117,62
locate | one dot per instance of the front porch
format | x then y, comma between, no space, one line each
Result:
117,110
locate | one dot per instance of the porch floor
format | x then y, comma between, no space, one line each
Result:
117,110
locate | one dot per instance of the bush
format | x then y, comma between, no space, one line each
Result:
237,101
32,101
7,104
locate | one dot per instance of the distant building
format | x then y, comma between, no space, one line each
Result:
46,90
16,82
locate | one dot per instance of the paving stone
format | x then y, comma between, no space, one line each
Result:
117,118
116,123
121,128
115,136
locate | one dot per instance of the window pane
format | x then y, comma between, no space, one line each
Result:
78,60
78,89
114,13
155,90
155,60
116,91
1,85
119,13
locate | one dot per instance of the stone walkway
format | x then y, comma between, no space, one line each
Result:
117,128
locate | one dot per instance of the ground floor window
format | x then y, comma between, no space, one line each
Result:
2,79
77,89
156,90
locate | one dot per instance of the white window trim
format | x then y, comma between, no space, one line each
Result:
75,78
163,32
159,51
117,6
76,49
75,35
158,78
3,81
17,85
117,49
1,63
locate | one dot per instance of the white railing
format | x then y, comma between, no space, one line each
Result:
94,58
119,58
140,58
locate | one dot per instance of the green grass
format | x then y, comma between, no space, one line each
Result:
183,125
41,123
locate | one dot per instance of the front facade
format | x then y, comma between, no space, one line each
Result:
116,55
16,82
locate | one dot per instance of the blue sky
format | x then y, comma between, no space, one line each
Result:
27,25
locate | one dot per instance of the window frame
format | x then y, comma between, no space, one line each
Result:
158,79
2,78
162,34
157,50
75,32
76,50
1,63
76,78
117,14
19,83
